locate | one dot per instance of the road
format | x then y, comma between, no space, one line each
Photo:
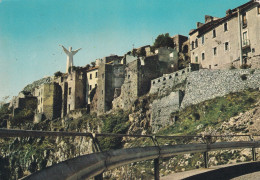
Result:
239,171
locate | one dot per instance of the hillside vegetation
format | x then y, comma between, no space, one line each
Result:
22,156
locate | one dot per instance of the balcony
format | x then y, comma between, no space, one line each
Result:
245,43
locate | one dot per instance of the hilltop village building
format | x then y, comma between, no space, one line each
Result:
92,78
220,43
116,81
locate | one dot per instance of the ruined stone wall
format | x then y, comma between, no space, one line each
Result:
62,81
76,97
129,91
52,100
137,81
80,90
162,108
178,41
110,78
150,70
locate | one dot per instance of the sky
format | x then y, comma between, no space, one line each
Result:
32,30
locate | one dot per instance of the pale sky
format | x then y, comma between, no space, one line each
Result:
31,31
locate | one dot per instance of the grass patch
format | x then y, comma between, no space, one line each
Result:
211,113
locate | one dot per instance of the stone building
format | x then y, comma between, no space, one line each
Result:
92,78
76,97
62,81
178,41
49,100
110,79
168,58
221,42
137,80
21,101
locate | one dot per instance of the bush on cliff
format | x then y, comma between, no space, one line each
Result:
116,123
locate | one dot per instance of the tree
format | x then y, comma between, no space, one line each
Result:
93,64
163,40
57,74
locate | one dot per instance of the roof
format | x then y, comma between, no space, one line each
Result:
211,25
92,68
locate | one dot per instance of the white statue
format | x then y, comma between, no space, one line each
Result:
70,55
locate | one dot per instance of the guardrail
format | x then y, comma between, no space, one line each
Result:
93,165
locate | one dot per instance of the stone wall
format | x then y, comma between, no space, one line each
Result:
196,87
162,108
208,84
129,90
76,96
137,81
110,78
52,100
168,82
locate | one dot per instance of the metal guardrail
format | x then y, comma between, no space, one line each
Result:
35,133
93,165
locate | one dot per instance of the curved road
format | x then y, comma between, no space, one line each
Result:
239,171
252,176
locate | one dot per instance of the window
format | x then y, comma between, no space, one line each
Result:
203,56
215,51
245,35
103,76
225,27
95,85
209,66
226,46
258,10
90,76
244,20
90,87
196,59
196,43
192,45
69,91
214,33
96,74
245,39
202,39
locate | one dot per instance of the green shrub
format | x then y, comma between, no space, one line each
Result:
116,123
57,74
243,77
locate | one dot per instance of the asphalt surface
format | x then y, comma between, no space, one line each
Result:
240,171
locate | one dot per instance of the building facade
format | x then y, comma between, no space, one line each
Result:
220,43
92,78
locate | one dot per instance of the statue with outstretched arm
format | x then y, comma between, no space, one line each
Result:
70,55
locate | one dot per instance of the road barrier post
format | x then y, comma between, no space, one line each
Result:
156,169
206,159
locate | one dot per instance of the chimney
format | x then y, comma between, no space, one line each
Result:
208,19
199,24
228,12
